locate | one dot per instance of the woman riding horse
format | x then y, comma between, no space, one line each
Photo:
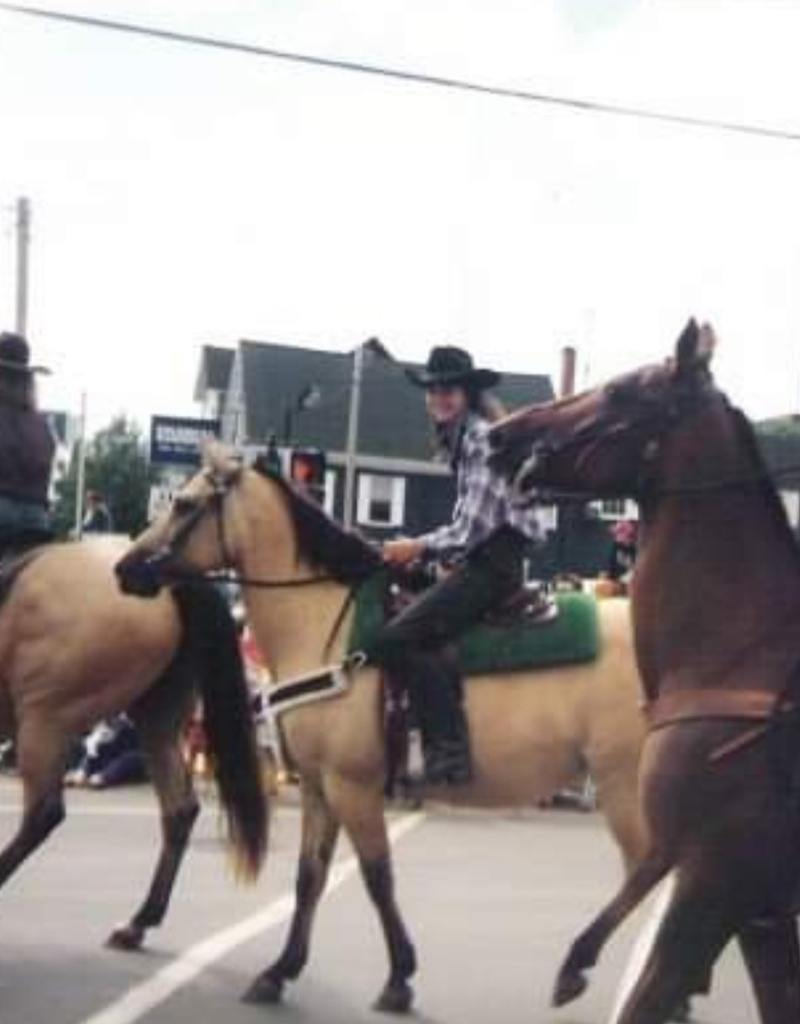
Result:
482,548
26,449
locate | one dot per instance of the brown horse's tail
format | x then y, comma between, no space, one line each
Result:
213,644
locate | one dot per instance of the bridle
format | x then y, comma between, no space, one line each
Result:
158,563
654,420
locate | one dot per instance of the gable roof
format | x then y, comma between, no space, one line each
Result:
215,370
392,420
779,441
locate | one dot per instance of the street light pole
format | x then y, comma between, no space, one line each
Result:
352,436
23,231
80,481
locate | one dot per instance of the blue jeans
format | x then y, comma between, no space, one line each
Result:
19,515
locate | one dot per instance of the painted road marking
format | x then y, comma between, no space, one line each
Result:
643,946
142,998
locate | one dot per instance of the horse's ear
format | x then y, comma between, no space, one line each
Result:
694,349
225,464
686,348
706,343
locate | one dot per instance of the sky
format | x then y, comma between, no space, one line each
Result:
183,196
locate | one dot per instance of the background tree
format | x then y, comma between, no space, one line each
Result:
117,467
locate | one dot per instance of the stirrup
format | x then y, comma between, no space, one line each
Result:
354,661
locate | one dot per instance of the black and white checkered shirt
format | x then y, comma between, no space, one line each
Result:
482,500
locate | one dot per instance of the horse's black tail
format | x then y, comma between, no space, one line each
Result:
211,639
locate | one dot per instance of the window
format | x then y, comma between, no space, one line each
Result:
381,500
329,498
615,508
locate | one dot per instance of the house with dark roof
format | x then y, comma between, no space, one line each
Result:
212,380
267,391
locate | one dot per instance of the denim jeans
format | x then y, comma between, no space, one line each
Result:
19,515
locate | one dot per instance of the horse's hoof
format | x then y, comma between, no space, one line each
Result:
265,990
569,986
127,937
395,998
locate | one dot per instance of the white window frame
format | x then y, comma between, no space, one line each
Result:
397,501
329,497
629,509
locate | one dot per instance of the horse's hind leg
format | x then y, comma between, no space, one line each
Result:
41,753
320,829
160,717
585,950
695,929
360,809
772,956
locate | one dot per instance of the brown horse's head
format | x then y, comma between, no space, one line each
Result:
198,533
605,441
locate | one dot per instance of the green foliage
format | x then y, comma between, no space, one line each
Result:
117,467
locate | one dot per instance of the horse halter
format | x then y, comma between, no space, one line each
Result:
654,419
214,501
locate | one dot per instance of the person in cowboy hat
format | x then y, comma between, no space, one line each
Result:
26,449
483,545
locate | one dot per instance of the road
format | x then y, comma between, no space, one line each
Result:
491,901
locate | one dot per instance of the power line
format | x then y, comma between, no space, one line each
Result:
398,74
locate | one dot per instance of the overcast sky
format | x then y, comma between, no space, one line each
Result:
185,196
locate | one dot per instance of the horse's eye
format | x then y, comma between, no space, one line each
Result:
183,506
617,394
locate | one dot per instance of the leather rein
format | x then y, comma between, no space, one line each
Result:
761,707
215,501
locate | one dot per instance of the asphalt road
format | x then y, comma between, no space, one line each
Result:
491,900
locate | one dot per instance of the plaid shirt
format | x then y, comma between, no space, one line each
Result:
482,500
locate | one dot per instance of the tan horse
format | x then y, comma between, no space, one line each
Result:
531,732
73,649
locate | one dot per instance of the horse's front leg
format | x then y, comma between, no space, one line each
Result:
320,829
359,807
160,742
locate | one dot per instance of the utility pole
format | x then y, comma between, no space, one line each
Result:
352,436
80,476
23,232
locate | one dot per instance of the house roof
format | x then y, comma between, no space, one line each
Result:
779,441
392,421
215,370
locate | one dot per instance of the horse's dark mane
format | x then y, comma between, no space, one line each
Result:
323,542
763,478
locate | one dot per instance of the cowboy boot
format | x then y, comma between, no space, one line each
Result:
445,735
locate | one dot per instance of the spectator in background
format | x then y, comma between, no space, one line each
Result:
97,518
624,535
26,449
110,756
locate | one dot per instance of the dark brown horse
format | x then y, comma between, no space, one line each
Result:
716,606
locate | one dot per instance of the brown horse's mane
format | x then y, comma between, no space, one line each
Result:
746,435
325,544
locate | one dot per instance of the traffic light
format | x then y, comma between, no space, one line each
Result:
307,472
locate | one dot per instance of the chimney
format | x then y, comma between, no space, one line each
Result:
568,358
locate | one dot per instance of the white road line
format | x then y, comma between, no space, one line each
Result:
642,947
142,998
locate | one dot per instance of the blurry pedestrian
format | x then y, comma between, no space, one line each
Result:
26,449
98,518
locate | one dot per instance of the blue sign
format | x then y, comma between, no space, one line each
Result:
178,441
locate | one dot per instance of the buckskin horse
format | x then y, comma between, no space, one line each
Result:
716,611
74,649
531,730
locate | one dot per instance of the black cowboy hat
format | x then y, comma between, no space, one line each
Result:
448,365
15,355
